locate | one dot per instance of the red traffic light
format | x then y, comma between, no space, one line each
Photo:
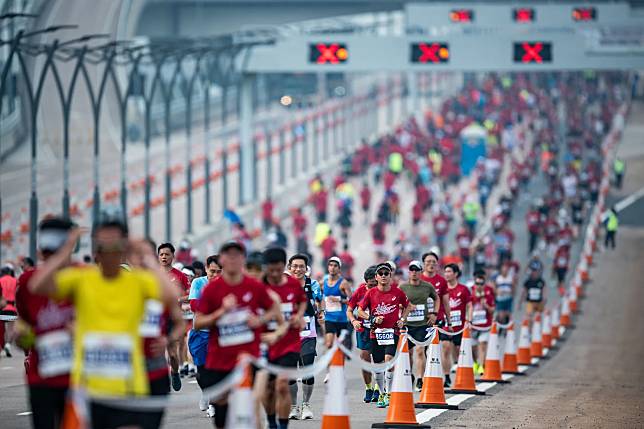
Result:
328,53
461,15
584,14
533,52
429,52
523,14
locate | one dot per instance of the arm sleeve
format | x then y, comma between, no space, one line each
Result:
67,282
195,288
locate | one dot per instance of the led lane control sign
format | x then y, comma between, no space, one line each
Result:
532,52
461,15
582,14
429,52
523,15
328,53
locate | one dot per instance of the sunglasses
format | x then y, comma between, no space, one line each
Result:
384,273
479,283
417,270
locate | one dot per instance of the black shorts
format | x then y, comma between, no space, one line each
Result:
308,347
335,327
378,352
289,360
418,332
160,386
561,274
456,339
107,417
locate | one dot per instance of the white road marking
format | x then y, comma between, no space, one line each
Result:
523,368
534,361
5,368
26,413
457,399
193,382
621,205
507,377
482,387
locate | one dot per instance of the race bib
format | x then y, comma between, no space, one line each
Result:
430,305
504,291
562,262
441,226
417,314
479,317
54,353
331,305
366,323
187,312
287,310
151,325
309,327
107,355
455,318
534,294
233,329
384,336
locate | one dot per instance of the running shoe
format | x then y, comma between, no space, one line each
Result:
480,370
376,395
448,381
387,397
368,395
295,413
203,403
7,350
176,381
211,411
183,372
381,401
419,384
475,367
307,414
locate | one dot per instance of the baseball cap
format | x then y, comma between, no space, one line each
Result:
232,244
383,265
416,264
392,265
336,260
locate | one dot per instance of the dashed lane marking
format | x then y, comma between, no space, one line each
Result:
26,413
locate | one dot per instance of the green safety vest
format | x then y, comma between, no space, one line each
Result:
395,162
470,210
618,166
612,223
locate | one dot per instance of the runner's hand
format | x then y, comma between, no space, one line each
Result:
253,321
432,319
378,320
296,323
269,338
356,324
229,302
400,323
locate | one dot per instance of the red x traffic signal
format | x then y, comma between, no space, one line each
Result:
328,53
532,52
461,15
523,14
584,14
429,52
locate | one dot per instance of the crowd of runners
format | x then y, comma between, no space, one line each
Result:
139,318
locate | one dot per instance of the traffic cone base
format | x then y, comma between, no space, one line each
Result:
444,406
399,425
468,391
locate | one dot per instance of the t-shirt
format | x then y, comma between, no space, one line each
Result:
422,296
534,289
356,297
108,356
180,280
459,297
480,316
8,286
231,334
386,304
49,320
440,284
292,295
196,290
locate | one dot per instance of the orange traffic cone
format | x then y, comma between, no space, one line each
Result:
523,354
336,411
510,364
554,321
401,412
492,371
433,393
546,331
583,271
464,382
536,347
75,413
573,299
565,312
241,409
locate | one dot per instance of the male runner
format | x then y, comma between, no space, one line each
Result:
424,298
176,352
43,330
504,283
384,305
298,266
363,330
431,275
534,291
336,292
198,338
109,303
286,351
460,304
230,307
482,311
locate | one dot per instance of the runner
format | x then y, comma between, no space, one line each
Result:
534,290
504,282
8,313
198,338
286,351
109,304
460,305
560,266
431,275
481,317
383,305
178,351
533,220
336,291
43,331
298,267
363,331
441,227
423,315
229,305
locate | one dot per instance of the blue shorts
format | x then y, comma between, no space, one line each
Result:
363,340
198,346
505,305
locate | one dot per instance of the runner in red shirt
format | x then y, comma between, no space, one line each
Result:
560,265
430,274
267,214
299,222
176,352
365,198
49,358
230,307
483,305
460,304
328,247
533,219
347,262
286,351
387,307
464,242
441,226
